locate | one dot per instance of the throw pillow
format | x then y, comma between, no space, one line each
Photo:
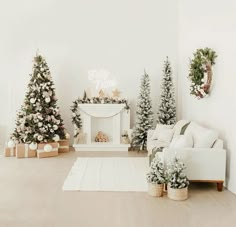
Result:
183,129
202,137
159,129
178,127
182,141
166,135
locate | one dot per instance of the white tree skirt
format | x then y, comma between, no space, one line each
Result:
107,174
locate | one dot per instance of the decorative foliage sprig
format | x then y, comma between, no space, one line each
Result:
176,176
200,72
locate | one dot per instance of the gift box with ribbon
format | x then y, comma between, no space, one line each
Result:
10,151
24,151
46,150
64,146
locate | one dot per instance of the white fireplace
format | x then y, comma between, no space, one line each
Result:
112,119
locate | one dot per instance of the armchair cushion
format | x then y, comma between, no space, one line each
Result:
182,141
202,137
163,132
178,127
218,144
154,144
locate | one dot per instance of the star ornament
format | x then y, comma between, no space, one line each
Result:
116,93
101,93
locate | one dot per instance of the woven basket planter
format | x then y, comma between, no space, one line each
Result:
177,194
155,189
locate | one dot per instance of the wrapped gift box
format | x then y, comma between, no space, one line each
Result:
81,138
64,146
42,153
23,151
10,152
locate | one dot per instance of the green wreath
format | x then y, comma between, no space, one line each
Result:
200,72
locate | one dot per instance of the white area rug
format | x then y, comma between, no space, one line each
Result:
107,174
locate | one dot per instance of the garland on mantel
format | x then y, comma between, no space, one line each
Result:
105,100
200,72
76,117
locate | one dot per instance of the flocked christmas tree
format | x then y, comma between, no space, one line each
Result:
156,174
176,175
144,114
167,109
39,119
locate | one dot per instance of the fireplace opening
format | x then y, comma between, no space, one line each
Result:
101,137
102,129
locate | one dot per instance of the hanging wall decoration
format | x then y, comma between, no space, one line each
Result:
200,72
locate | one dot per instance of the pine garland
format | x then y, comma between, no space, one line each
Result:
99,100
76,118
144,114
167,109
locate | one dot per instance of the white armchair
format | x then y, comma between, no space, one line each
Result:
203,164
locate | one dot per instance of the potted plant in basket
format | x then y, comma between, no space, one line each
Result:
178,182
156,178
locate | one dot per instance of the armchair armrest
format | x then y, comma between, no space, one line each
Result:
150,133
149,141
153,144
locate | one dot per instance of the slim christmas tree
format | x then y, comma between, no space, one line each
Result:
167,108
144,117
39,119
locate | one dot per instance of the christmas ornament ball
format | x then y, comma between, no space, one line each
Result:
55,127
47,148
11,144
56,138
32,100
67,136
33,146
47,100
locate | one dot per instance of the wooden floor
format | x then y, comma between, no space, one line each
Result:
31,195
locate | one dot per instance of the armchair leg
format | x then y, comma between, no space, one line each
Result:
220,186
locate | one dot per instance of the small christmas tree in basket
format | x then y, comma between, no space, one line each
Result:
156,177
177,180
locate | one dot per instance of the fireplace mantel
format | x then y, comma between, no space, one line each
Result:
94,116
101,110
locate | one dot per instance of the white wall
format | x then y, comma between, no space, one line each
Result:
75,36
124,37
211,24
